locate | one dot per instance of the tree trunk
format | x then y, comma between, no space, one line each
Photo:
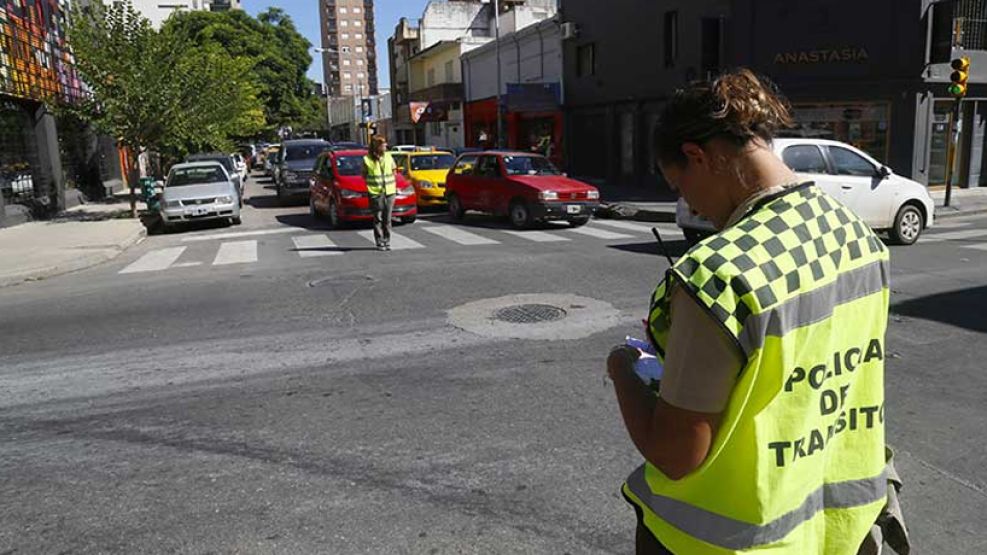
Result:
133,180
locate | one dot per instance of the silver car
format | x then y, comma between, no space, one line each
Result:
199,191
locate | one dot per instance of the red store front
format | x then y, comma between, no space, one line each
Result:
529,131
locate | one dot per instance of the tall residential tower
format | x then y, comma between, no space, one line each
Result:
349,63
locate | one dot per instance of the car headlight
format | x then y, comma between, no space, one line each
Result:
350,193
406,190
290,176
173,204
548,195
425,184
593,195
224,200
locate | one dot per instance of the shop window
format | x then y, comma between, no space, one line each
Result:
586,60
805,159
863,125
847,162
671,38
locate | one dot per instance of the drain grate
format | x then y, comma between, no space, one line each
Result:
529,314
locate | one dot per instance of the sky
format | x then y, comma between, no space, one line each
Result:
305,14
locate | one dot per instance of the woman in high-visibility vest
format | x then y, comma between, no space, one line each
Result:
378,171
767,433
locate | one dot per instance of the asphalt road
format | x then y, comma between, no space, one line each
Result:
278,387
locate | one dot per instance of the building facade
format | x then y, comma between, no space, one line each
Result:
157,11
880,86
530,94
36,72
349,58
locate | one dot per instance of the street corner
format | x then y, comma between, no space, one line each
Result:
544,317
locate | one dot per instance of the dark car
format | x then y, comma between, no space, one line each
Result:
339,191
228,164
295,167
525,187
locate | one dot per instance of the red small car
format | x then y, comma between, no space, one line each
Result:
523,186
339,192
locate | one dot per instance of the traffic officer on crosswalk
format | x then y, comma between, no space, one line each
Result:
767,434
378,171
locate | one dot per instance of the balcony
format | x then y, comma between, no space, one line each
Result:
443,91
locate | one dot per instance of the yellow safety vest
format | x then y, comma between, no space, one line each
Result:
800,284
380,175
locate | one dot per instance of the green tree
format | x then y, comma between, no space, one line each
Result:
152,92
278,53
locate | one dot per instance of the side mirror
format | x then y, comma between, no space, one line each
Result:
884,172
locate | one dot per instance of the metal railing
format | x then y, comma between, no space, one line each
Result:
970,33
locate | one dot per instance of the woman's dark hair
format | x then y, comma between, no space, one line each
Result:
738,106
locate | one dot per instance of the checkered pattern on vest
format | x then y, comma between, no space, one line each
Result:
789,244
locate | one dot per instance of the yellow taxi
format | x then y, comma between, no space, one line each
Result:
427,171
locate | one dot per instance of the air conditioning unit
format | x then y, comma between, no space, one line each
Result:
569,31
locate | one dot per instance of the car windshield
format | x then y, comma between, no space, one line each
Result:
350,165
226,161
195,176
529,165
304,152
432,162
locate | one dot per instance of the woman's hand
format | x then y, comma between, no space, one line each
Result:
622,359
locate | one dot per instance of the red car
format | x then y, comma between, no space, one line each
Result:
339,192
525,187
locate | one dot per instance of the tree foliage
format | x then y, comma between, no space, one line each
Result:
151,91
278,57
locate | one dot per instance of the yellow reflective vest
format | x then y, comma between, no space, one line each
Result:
380,175
800,284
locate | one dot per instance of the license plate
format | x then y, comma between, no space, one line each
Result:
200,211
573,208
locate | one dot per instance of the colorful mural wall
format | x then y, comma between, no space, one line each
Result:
35,62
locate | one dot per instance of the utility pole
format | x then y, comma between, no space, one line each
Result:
957,88
500,107
328,85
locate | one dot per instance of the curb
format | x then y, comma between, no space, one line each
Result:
940,215
79,263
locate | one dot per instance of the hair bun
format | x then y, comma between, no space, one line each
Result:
749,106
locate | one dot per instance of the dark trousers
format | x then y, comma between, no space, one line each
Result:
382,206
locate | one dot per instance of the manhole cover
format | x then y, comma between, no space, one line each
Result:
529,314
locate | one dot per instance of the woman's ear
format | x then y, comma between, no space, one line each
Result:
694,154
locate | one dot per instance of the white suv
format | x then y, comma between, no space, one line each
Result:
882,199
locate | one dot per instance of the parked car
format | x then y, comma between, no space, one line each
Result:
339,191
347,146
228,164
296,165
198,191
882,199
427,172
525,187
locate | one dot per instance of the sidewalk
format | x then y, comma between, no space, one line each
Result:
79,238
964,202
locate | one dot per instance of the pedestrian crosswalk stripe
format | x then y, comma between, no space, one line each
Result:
639,227
309,246
398,242
458,235
238,234
538,236
979,247
599,233
236,252
952,235
950,225
155,260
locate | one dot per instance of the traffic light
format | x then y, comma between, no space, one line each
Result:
961,72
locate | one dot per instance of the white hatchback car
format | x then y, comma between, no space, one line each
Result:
882,199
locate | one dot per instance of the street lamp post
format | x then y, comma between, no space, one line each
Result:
500,108
328,85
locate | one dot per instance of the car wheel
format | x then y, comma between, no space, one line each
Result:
520,214
908,225
312,210
236,221
456,210
335,222
693,236
577,222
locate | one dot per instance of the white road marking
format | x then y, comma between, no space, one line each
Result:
236,252
979,247
187,264
398,242
309,246
599,233
238,234
950,225
458,235
951,235
538,236
160,259
669,229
